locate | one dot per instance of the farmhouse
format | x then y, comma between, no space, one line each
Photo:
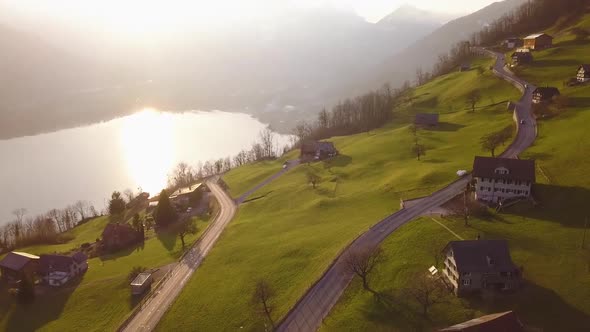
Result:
476,265
499,179
426,120
16,266
318,150
513,42
118,236
519,58
583,73
538,41
544,94
504,322
57,270
187,195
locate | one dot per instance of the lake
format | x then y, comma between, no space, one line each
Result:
139,151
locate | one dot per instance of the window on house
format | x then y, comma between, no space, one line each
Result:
489,188
466,282
481,188
467,274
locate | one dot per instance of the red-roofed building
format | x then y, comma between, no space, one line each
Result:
500,322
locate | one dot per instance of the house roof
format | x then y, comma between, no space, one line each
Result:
50,263
518,169
79,257
546,92
474,255
17,260
314,146
140,279
500,322
326,146
537,35
430,119
185,190
585,67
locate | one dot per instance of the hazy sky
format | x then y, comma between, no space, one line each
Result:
149,12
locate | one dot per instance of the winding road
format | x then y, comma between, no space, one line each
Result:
315,305
150,313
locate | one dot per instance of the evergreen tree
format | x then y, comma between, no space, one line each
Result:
165,213
116,204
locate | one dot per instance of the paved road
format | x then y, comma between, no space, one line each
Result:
289,165
153,310
314,306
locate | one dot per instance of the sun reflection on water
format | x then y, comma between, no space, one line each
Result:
148,145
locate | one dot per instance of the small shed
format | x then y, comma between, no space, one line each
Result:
426,119
538,41
142,282
513,42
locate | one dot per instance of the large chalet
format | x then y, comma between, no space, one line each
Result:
499,179
545,94
538,41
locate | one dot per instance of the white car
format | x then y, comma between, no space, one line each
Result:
461,173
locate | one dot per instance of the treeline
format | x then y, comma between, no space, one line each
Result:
46,228
265,148
352,116
532,16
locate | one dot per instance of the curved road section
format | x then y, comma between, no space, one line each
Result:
152,311
314,306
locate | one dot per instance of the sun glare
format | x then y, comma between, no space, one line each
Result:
148,143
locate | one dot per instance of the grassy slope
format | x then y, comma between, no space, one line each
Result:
102,298
546,239
293,233
241,179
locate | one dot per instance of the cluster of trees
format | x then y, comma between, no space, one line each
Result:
352,116
532,16
492,141
44,228
265,148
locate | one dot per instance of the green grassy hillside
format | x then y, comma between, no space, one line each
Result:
102,298
291,234
545,239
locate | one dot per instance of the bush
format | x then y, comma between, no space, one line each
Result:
135,271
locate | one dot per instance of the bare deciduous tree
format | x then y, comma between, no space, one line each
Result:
313,178
418,150
362,263
427,291
267,141
262,296
473,98
186,227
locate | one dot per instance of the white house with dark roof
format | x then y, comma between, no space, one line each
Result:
475,265
57,270
583,73
499,179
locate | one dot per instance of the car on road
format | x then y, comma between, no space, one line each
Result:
522,122
189,210
285,164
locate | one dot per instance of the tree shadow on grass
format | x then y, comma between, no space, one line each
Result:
44,309
556,63
447,127
564,205
123,252
168,237
536,307
338,161
390,311
579,101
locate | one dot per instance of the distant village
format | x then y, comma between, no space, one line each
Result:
56,270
